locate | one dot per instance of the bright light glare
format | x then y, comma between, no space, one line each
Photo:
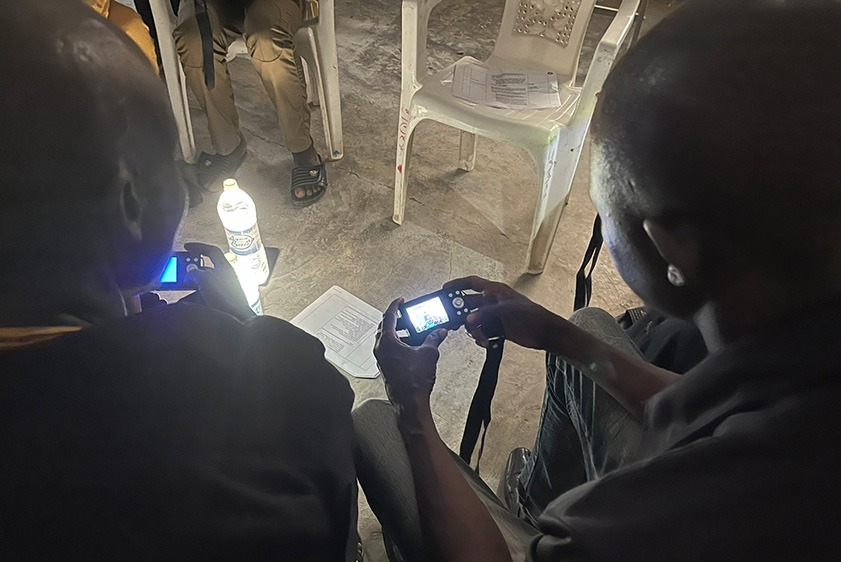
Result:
427,314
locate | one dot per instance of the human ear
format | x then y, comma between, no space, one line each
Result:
130,205
679,249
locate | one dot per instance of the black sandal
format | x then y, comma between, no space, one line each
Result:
312,180
213,169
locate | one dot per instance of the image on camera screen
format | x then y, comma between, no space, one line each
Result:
427,314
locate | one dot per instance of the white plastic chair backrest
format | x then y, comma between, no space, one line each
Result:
414,27
544,34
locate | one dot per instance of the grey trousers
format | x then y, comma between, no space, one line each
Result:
269,27
584,433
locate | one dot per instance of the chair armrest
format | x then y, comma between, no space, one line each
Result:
604,56
413,51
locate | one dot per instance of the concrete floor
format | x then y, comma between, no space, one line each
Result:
456,223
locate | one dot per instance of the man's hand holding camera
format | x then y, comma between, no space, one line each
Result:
409,371
502,311
219,286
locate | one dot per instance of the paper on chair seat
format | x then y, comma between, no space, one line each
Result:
506,89
347,327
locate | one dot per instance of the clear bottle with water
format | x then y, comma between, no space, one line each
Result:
239,217
249,288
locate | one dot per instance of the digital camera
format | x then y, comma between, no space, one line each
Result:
447,308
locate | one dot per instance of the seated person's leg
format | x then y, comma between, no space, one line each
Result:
218,103
101,7
671,343
132,25
584,432
382,466
145,10
270,28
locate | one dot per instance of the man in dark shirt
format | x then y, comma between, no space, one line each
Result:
177,433
715,167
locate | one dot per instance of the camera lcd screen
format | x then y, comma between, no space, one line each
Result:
428,314
170,274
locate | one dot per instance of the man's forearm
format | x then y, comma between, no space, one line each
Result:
456,525
632,381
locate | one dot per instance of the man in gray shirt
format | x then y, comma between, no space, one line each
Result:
715,168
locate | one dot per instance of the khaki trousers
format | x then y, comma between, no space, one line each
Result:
269,27
130,23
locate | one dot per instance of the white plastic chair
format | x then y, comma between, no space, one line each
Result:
553,137
316,44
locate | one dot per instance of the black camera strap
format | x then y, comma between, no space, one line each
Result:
479,415
584,278
206,33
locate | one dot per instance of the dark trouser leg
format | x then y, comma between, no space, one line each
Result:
270,28
584,432
383,469
218,103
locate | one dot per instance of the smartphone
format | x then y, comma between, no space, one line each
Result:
447,308
174,276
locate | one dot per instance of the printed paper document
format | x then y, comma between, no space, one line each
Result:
506,89
346,326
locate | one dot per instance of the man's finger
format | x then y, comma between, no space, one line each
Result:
473,325
478,336
195,275
474,301
473,282
485,323
473,322
389,323
216,255
435,338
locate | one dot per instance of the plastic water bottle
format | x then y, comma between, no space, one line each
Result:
252,295
249,288
239,217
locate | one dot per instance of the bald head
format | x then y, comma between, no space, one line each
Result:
86,147
76,91
727,116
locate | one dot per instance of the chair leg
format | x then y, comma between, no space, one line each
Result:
324,47
467,151
176,84
405,135
555,176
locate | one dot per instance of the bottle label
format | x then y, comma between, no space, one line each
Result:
244,242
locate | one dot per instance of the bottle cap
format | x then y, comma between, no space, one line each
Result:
230,183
